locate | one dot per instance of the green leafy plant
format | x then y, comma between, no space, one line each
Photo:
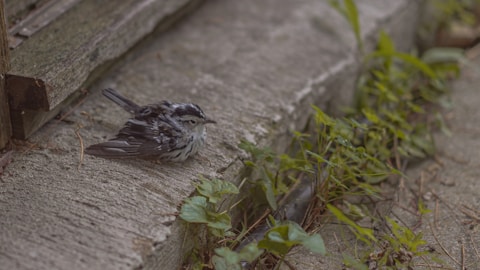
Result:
393,93
349,11
279,239
282,237
400,247
363,234
202,209
394,100
403,237
272,172
342,157
226,259
456,10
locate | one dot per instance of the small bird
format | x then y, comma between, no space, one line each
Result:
164,131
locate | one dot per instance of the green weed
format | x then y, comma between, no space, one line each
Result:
391,122
348,9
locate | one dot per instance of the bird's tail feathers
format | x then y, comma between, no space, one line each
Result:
120,100
113,149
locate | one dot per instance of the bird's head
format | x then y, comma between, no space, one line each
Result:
191,116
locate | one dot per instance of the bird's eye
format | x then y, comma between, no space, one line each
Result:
193,122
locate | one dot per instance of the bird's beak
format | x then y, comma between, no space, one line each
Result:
210,121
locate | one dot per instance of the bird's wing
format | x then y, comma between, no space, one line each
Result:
135,147
149,134
115,148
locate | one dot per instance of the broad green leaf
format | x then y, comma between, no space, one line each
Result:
296,232
281,238
266,185
275,242
230,257
315,244
250,252
196,210
225,257
222,263
220,221
214,189
277,235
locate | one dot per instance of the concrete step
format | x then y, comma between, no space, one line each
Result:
254,66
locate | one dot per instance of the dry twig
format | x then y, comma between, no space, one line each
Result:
441,246
82,147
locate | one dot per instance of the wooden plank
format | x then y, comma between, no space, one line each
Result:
37,19
16,9
32,95
51,65
26,122
5,127
4,51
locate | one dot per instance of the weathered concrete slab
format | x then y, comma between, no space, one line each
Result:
254,66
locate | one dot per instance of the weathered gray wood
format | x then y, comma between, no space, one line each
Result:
28,121
5,128
62,56
40,17
15,9
4,51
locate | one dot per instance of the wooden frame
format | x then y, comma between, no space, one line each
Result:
5,127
